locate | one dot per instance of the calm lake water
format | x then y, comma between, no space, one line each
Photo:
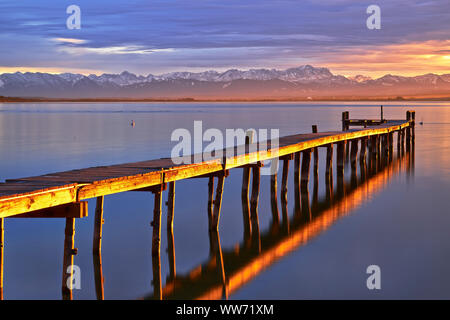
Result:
399,220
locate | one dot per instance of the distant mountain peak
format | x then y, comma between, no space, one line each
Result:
301,81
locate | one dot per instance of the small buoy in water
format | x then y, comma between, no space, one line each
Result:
421,123
132,123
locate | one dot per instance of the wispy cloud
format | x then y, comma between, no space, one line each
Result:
160,36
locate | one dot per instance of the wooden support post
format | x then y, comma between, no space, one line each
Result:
69,252
98,276
98,223
408,130
170,237
354,152
306,160
284,181
297,161
399,140
382,113
156,270
156,224
246,170
283,194
170,205
363,152
2,248
413,125
273,192
340,158
345,117
218,202
316,155
403,139
210,201
340,166
256,170
329,161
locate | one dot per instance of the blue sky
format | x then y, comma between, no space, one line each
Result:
174,35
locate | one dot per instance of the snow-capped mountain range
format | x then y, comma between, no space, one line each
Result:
263,83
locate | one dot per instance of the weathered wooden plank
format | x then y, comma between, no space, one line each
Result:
23,203
74,210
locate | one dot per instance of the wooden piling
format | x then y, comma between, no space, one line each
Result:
340,158
345,118
306,160
156,224
340,166
273,192
363,151
69,252
210,200
170,205
316,155
98,225
171,254
156,282
218,201
98,276
256,171
329,160
354,152
297,162
284,181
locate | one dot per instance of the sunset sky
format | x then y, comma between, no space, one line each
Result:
158,36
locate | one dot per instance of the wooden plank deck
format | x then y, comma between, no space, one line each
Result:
18,196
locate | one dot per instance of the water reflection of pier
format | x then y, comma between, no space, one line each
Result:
227,271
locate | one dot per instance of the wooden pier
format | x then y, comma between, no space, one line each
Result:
64,194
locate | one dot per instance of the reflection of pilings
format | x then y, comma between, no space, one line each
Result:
171,253
69,252
2,245
273,191
156,282
98,276
98,223
216,251
306,208
242,264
